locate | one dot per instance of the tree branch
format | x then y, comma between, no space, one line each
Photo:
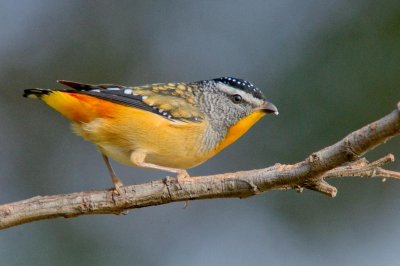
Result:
341,159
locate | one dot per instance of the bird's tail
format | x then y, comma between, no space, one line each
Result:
76,107
36,93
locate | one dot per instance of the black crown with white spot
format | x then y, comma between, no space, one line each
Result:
243,85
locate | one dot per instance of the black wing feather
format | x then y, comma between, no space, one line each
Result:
121,98
118,96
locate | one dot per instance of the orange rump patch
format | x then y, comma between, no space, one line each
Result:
78,107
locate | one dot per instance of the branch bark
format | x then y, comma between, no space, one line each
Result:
343,158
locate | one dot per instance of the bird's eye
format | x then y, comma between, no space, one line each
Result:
237,98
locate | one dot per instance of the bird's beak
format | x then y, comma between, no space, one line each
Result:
269,108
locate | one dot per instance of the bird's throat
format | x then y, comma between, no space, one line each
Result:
241,127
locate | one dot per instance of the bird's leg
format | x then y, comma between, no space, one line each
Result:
115,179
138,157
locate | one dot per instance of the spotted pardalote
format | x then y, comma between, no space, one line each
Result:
166,126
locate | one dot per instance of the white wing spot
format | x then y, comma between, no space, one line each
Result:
145,97
33,96
113,89
96,90
128,91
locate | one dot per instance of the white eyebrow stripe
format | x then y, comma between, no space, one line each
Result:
246,96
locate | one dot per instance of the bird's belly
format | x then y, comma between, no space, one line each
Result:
168,145
116,153
180,158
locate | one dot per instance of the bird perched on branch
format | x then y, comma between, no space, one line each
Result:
169,126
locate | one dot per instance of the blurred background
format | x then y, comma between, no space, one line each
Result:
330,67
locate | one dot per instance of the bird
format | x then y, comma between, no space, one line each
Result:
164,126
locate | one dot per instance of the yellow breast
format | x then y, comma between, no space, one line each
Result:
241,127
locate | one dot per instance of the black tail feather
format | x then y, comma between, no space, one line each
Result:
76,85
35,93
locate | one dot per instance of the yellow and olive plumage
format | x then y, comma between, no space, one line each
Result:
170,126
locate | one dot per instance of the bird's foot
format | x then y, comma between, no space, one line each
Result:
182,176
117,185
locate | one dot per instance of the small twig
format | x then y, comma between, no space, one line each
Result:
360,168
387,173
323,187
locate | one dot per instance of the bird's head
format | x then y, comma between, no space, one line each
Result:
228,100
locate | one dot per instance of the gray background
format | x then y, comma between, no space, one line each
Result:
330,67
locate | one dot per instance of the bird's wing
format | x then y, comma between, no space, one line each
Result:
174,101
